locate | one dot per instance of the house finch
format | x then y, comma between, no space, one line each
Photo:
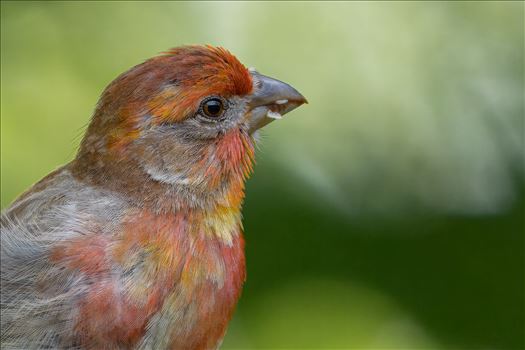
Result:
137,243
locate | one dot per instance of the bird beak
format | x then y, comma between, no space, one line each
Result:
270,100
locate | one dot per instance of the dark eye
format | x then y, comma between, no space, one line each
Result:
213,107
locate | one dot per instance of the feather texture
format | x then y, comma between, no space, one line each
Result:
109,252
137,243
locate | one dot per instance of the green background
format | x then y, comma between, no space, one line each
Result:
386,213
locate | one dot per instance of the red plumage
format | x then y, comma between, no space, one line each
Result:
137,243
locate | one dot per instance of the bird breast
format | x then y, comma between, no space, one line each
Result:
164,281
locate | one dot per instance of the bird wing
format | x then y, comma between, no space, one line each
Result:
38,295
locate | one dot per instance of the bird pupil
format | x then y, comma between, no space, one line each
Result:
213,107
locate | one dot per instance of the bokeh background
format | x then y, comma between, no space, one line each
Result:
386,213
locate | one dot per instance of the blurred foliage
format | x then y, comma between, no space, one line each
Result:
387,213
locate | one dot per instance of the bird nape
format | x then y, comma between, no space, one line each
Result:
137,242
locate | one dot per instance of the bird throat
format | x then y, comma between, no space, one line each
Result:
212,182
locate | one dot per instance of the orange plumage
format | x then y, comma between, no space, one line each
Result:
137,243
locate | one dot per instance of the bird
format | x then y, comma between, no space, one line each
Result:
138,242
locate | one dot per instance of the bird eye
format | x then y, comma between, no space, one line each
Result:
213,107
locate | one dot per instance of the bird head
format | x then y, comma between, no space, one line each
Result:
186,118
